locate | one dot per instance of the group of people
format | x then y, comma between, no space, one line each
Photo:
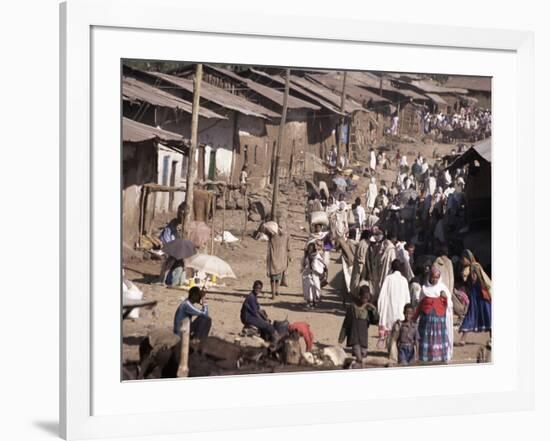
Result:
467,118
404,277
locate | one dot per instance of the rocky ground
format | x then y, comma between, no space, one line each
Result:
247,258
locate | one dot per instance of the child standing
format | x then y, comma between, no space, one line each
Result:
359,316
404,339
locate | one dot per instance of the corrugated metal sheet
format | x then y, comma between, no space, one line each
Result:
326,94
133,131
432,87
271,93
333,81
134,90
437,99
482,84
277,96
220,97
280,80
367,79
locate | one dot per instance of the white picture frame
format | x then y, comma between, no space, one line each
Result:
87,413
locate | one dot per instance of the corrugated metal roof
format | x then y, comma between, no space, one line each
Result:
270,93
482,84
404,76
280,80
133,131
367,79
333,81
437,99
135,90
432,87
326,94
277,96
219,96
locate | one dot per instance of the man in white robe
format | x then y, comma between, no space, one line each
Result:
372,162
394,295
372,192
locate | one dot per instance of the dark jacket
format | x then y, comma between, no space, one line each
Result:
356,325
250,308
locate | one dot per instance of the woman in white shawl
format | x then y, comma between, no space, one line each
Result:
394,295
432,291
313,268
372,192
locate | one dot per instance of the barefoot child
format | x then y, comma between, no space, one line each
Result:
359,316
404,339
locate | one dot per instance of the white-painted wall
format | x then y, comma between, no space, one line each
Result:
163,198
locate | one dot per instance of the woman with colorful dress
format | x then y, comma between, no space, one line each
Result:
434,314
477,285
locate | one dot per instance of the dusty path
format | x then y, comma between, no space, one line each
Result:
247,259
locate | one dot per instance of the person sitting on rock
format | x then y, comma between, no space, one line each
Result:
253,316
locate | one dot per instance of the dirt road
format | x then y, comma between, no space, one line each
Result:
247,259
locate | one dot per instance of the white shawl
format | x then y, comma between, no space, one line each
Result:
434,291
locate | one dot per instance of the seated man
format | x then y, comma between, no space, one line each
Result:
252,315
200,327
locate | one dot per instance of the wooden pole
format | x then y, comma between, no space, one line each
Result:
245,209
291,162
183,368
212,232
275,196
223,216
191,169
142,213
343,117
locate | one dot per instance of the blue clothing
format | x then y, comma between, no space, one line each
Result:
169,232
405,354
250,316
250,308
478,316
187,309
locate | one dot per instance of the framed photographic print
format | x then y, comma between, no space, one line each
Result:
269,219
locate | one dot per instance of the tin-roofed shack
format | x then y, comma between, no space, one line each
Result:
479,88
366,124
221,152
317,135
257,151
149,155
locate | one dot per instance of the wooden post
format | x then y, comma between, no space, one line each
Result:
275,196
191,169
142,213
291,162
212,231
343,117
183,368
245,208
223,217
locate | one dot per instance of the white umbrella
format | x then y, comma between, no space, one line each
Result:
210,265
